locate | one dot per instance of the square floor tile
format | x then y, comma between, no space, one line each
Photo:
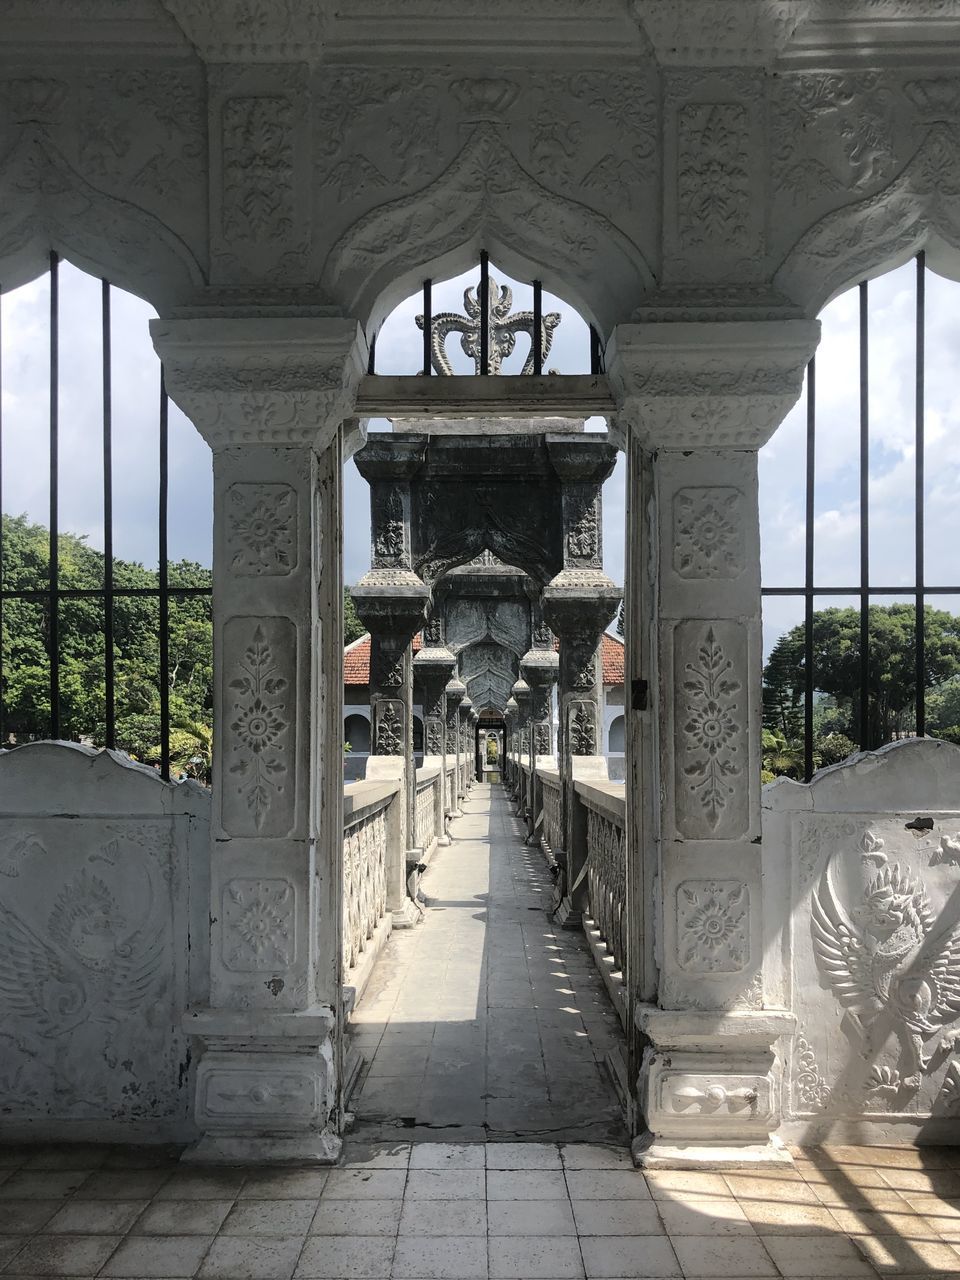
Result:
452,1184
523,1257
523,1155
376,1155
586,1155
69,1155
530,1218
816,1255
193,1184
182,1218
65,1255
441,1258
96,1217
160,1256
607,1184
284,1184
443,1218
129,1184
23,1217
365,1184
668,1184
357,1217
345,1257
41,1184
240,1258
269,1218
892,1256
535,1184
714,1257
617,1218
447,1155
621,1256
10,1246
781,1218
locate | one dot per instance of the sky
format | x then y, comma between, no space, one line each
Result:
24,349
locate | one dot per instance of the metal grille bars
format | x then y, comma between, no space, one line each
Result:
53,594
865,590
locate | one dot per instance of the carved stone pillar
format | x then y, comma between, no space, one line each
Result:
433,667
454,692
269,397
539,667
699,400
510,741
578,604
521,695
392,601
466,706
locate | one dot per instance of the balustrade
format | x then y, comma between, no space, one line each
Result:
371,820
606,867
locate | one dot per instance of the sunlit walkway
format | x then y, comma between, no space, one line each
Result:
485,1021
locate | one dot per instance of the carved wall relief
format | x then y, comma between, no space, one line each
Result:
713,926
261,530
258,169
388,726
708,535
714,189
582,727
711,743
259,925
257,797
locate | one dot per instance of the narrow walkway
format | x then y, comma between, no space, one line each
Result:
486,1021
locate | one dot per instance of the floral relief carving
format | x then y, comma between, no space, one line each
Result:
710,742
713,923
713,176
708,533
434,737
542,735
388,537
583,536
388,728
583,730
811,1091
257,168
259,925
262,735
262,529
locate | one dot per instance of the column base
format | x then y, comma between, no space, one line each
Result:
266,1086
567,916
649,1153
709,1087
407,915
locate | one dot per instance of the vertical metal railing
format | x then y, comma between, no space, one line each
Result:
55,593
865,590
483,296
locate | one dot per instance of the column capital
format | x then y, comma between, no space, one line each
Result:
711,384
274,380
579,603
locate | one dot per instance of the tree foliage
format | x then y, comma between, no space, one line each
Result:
26,648
891,679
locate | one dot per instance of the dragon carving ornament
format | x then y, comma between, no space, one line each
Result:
892,966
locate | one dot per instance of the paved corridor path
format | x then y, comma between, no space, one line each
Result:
486,1021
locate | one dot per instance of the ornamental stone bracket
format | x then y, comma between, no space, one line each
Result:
247,380
716,384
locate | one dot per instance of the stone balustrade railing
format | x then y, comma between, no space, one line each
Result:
551,799
366,836
429,816
605,923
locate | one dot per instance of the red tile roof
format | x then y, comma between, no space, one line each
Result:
356,660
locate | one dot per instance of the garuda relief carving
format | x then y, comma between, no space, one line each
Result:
888,964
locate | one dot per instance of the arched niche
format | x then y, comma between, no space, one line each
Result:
486,200
615,737
47,205
356,732
920,209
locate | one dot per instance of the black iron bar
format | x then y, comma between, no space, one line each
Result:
484,300
919,616
537,327
53,629
109,686
164,585
855,591
596,363
808,571
372,355
89,593
864,517
427,327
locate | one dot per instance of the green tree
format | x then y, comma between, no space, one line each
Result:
782,696
353,628
836,666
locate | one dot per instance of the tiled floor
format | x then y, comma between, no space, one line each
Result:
443,1211
485,1021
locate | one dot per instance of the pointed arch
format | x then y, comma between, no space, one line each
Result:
919,209
48,205
486,199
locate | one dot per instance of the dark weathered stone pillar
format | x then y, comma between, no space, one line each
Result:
578,604
433,667
521,694
454,693
510,743
539,667
392,601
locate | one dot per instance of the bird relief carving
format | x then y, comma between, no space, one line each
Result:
890,964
